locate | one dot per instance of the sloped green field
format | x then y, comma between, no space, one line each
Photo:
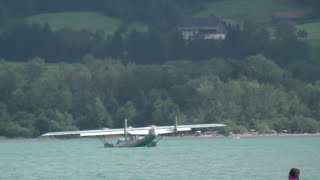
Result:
313,30
313,39
77,21
253,10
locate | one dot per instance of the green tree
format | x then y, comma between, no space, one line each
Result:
4,119
261,127
260,68
101,115
34,68
9,82
129,112
25,122
300,124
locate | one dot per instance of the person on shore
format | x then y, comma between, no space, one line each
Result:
294,174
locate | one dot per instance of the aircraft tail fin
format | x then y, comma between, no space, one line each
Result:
176,125
125,128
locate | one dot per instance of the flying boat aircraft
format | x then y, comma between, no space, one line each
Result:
147,136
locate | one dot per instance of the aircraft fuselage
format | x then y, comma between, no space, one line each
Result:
148,140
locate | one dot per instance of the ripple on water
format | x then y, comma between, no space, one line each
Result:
257,158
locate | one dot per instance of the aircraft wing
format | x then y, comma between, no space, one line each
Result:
102,131
134,131
137,131
201,125
171,129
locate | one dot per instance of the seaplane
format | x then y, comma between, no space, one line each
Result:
134,137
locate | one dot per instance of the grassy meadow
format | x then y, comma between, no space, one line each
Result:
313,30
77,21
313,38
84,20
253,10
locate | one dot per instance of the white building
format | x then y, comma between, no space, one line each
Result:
203,28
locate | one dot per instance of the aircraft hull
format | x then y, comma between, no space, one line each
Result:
144,141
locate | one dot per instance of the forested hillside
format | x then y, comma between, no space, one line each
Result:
37,97
90,64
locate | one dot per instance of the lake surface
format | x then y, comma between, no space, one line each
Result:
256,158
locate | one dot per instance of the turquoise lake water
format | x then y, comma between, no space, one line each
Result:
256,158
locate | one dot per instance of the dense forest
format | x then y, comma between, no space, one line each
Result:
37,97
67,80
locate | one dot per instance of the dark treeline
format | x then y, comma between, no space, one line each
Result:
36,97
24,41
285,47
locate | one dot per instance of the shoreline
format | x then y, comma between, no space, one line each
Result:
252,135
278,135
185,136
